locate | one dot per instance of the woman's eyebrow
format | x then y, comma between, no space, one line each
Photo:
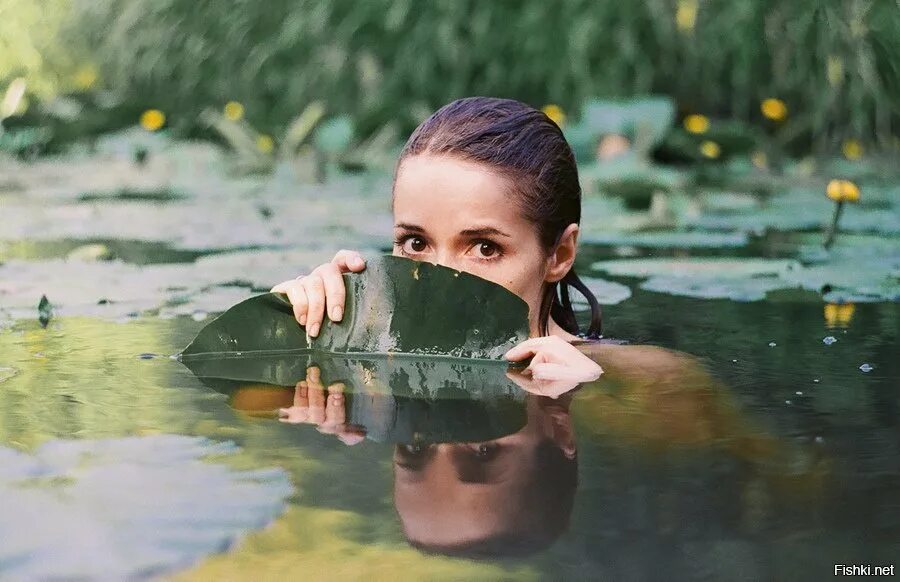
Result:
411,227
483,231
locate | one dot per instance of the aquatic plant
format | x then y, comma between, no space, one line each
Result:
840,191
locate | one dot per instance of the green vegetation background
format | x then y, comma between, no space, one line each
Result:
834,62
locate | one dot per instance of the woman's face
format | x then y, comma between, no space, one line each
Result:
462,215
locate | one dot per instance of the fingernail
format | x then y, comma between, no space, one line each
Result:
337,312
314,330
302,320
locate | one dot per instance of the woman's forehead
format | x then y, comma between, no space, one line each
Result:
435,191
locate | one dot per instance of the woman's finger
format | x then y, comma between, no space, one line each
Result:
301,394
351,437
348,261
333,282
315,296
316,406
335,411
525,349
297,296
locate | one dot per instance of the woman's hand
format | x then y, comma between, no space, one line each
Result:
322,288
325,408
556,366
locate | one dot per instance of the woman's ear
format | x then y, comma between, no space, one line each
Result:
562,258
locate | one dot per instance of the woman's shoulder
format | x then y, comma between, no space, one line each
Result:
636,359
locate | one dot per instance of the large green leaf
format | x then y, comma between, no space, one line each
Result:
396,306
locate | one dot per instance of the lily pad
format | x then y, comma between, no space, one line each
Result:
700,267
606,292
839,277
396,306
671,239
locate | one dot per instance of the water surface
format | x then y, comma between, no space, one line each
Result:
765,453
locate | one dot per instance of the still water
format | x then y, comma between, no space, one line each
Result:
763,443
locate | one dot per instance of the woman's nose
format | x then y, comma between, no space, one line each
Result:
445,260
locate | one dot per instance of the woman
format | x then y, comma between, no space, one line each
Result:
488,186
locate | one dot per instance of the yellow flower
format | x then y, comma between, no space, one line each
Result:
234,111
760,160
710,149
774,109
696,123
842,191
86,77
834,70
852,149
839,314
555,113
686,15
265,144
153,119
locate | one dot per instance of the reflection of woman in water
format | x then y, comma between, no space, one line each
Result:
508,496
511,495
487,186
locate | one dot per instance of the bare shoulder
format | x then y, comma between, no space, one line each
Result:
641,360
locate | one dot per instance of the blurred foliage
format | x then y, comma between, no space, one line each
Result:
834,65
30,47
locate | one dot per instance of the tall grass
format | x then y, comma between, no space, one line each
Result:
834,62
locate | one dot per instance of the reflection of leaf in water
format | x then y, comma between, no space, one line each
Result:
395,399
126,508
395,306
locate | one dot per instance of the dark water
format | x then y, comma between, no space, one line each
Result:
757,451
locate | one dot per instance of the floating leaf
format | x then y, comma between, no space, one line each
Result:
606,292
670,239
396,306
842,277
702,267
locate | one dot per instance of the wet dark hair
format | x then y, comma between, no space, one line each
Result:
527,147
547,498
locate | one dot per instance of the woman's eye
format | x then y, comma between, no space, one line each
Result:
417,244
487,249
486,451
416,449
411,244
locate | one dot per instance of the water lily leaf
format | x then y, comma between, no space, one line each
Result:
334,135
697,267
671,239
713,288
856,274
606,292
396,306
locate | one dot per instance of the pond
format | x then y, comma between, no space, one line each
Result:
771,451
748,431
